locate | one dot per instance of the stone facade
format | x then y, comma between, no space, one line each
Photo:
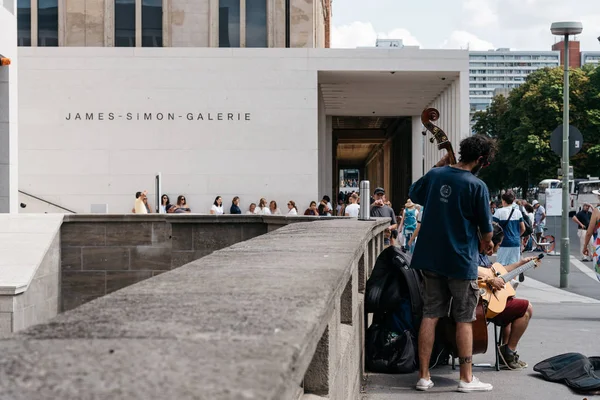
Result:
188,23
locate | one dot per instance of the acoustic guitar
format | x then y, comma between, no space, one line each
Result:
496,299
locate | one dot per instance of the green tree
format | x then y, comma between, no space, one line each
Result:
523,124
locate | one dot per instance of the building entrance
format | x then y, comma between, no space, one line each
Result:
377,149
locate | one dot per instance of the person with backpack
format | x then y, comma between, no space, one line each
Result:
409,221
510,219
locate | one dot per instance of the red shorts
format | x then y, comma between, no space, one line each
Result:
515,309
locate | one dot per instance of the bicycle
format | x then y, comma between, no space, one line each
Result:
547,243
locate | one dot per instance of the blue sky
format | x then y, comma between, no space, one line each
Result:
477,24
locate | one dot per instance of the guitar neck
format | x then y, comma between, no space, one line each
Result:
515,272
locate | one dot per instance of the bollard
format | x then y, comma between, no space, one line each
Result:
364,213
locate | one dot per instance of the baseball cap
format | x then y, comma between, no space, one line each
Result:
533,203
379,190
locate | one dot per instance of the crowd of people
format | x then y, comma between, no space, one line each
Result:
263,207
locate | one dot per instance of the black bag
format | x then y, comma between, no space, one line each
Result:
527,222
390,352
391,285
391,279
575,370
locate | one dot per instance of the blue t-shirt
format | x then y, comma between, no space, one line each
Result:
512,228
457,204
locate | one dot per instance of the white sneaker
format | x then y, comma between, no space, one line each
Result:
424,384
474,386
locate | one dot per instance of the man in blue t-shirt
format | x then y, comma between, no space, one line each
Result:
447,251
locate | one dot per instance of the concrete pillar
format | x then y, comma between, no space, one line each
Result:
242,23
322,145
302,24
213,30
329,176
109,23
463,111
417,148
34,23
138,23
74,30
192,23
94,22
8,110
277,28
166,5
62,23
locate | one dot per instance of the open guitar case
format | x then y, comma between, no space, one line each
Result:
394,294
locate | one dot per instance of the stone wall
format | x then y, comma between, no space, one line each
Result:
277,317
39,302
104,253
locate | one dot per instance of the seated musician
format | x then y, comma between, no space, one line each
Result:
515,317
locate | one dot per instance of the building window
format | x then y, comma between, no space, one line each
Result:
152,24
24,22
256,23
229,23
232,22
48,23
124,23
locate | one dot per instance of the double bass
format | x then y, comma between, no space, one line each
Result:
448,326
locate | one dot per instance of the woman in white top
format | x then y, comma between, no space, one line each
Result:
217,207
273,208
262,208
164,202
293,210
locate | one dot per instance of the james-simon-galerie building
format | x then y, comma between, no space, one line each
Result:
220,97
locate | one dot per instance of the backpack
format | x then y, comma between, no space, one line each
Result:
527,222
394,293
410,220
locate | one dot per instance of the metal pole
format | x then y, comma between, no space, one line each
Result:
364,213
564,249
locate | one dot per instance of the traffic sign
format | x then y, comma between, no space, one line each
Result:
575,141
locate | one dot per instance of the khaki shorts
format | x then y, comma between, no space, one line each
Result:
440,291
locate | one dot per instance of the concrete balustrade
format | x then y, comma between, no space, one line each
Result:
279,316
104,253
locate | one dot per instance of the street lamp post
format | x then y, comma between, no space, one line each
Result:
565,29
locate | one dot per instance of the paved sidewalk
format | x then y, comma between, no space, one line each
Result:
555,329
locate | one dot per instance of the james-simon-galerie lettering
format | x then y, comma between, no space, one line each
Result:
157,116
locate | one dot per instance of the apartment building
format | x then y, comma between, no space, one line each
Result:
503,68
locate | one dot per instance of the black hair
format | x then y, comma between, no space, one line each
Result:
476,146
217,198
509,196
498,234
138,194
168,199
327,198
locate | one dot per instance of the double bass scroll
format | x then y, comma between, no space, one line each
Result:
428,116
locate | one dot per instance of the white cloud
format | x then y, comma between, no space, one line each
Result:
481,13
465,40
358,34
